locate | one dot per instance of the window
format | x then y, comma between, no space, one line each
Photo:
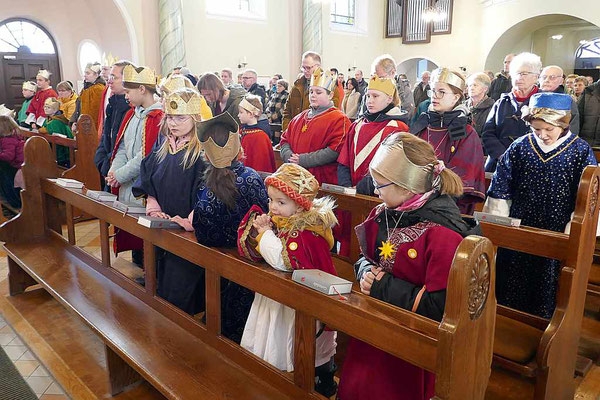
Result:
343,12
349,16
238,9
89,52
21,33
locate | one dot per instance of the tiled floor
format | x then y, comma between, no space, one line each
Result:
42,383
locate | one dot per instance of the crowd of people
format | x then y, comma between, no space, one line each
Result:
188,148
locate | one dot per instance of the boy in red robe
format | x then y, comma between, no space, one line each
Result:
295,234
45,91
314,137
258,149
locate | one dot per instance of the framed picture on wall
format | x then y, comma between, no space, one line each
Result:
393,18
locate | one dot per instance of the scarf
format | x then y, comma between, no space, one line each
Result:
373,116
523,99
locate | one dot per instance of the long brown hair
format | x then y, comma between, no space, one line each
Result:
221,181
8,126
420,152
212,82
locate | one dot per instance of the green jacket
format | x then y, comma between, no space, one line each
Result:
23,112
59,124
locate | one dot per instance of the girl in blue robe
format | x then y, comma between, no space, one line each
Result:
536,180
227,192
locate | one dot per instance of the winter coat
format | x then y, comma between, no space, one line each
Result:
11,150
275,107
589,114
115,111
298,101
350,104
236,94
260,91
68,105
479,113
89,101
420,93
501,84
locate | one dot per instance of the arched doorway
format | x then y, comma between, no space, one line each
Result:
25,48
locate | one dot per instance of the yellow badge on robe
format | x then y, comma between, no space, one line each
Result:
412,253
452,149
293,246
304,128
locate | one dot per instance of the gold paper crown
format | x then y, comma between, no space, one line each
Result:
325,79
246,105
7,112
109,59
391,162
296,182
140,75
444,75
96,67
184,101
220,156
44,73
384,85
28,85
173,83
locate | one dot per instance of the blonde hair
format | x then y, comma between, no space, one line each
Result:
65,85
194,147
420,152
8,126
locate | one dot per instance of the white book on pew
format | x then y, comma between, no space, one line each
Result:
101,195
497,219
322,281
157,223
338,189
129,208
30,118
69,183
40,121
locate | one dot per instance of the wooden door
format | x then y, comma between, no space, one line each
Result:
15,68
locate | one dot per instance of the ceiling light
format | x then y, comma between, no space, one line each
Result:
557,37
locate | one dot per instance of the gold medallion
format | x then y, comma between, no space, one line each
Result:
293,246
452,149
412,253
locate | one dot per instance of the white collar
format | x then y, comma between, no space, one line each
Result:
548,148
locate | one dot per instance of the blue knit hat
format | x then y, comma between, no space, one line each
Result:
553,108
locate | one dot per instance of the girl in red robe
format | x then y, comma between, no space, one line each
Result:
296,234
258,149
446,127
408,244
44,91
314,137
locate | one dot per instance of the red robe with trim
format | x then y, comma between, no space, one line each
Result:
258,150
423,256
326,130
37,103
123,240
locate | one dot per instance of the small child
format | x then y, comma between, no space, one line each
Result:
57,123
295,234
28,90
67,98
536,180
11,158
258,149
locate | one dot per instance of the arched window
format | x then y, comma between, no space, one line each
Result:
16,34
587,55
89,52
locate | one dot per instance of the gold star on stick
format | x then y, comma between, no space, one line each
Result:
303,182
387,250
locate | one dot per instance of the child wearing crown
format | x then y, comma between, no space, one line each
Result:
28,90
536,180
407,245
137,134
295,234
446,127
57,124
169,179
258,149
44,91
314,137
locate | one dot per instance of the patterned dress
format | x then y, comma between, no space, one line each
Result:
541,189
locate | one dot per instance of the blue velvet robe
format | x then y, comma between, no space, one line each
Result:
543,189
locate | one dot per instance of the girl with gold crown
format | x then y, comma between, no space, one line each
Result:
44,91
314,137
407,245
536,180
295,234
169,179
226,193
446,127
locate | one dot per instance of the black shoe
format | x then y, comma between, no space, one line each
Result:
326,389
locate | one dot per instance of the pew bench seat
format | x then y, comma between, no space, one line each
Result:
515,340
140,342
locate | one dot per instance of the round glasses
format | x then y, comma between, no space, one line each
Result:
436,94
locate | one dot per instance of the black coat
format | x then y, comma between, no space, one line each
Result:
589,114
115,112
501,84
260,91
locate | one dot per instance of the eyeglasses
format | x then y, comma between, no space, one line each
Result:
524,74
307,67
550,77
177,119
378,186
436,94
247,77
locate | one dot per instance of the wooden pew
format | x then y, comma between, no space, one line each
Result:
550,346
147,338
593,289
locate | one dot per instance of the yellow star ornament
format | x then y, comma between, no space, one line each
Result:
304,128
387,250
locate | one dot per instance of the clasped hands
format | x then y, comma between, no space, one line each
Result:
369,277
262,223
111,180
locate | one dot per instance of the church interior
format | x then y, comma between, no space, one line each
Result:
197,198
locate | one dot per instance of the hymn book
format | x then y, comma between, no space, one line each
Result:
101,195
156,222
69,183
129,208
322,281
497,219
338,189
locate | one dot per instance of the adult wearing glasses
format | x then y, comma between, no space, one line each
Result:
298,98
504,123
552,80
446,127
